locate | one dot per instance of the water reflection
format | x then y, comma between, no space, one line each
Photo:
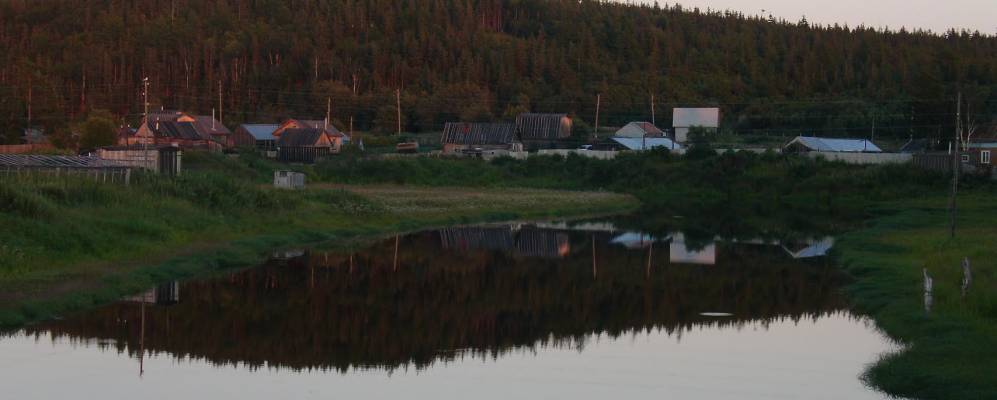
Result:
485,291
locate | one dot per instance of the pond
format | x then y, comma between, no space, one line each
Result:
531,310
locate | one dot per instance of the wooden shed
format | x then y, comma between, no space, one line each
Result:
259,136
306,144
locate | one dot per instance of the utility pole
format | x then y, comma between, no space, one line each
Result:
598,102
398,106
145,95
652,110
956,164
220,119
328,111
30,87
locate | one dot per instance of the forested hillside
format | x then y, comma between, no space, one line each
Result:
478,59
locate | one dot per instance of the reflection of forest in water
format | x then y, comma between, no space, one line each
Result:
434,296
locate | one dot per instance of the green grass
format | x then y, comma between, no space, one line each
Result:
951,351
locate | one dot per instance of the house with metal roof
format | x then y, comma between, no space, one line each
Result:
807,144
255,135
639,130
307,144
685,119
210,127
461,136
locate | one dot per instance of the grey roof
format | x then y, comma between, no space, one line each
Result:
478,133
300,137
690,117
43,161
646,143
210,126
836,145
261,131
643,128
542,126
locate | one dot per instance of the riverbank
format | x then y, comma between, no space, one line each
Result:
69,245
950,344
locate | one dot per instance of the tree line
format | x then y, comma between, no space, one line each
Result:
264,60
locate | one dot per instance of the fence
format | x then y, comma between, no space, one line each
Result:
25,148
934,162
863,158
597,154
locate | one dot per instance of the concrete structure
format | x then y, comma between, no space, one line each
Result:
684,119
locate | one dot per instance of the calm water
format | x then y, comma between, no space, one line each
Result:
533,311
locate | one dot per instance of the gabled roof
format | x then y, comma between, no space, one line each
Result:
701,117
640,128
208,125
297,137
478,133
646,143
260,131
835,145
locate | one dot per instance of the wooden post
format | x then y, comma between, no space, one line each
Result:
595,269
650,253
395,267
598,101
956,167
652,110
398,106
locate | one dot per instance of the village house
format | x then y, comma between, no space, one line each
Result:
542,130
462,136
167,127
686,119
259,136
639,130
305,145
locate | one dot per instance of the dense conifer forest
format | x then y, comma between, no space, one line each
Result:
263,60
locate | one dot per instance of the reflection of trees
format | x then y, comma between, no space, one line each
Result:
339,311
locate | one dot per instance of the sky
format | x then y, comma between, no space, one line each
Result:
935,15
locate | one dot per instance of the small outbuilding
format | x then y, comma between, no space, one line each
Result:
288,180
807,144
259,136
307,144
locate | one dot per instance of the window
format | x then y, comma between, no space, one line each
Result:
965,158
985,157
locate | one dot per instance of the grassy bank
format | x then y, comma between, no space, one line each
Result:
69,244
951,350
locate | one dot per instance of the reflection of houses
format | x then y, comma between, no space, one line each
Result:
460,136
526,242
471,238
634,240
681,253
532,242
809,249
166,294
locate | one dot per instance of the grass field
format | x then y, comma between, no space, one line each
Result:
951,349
